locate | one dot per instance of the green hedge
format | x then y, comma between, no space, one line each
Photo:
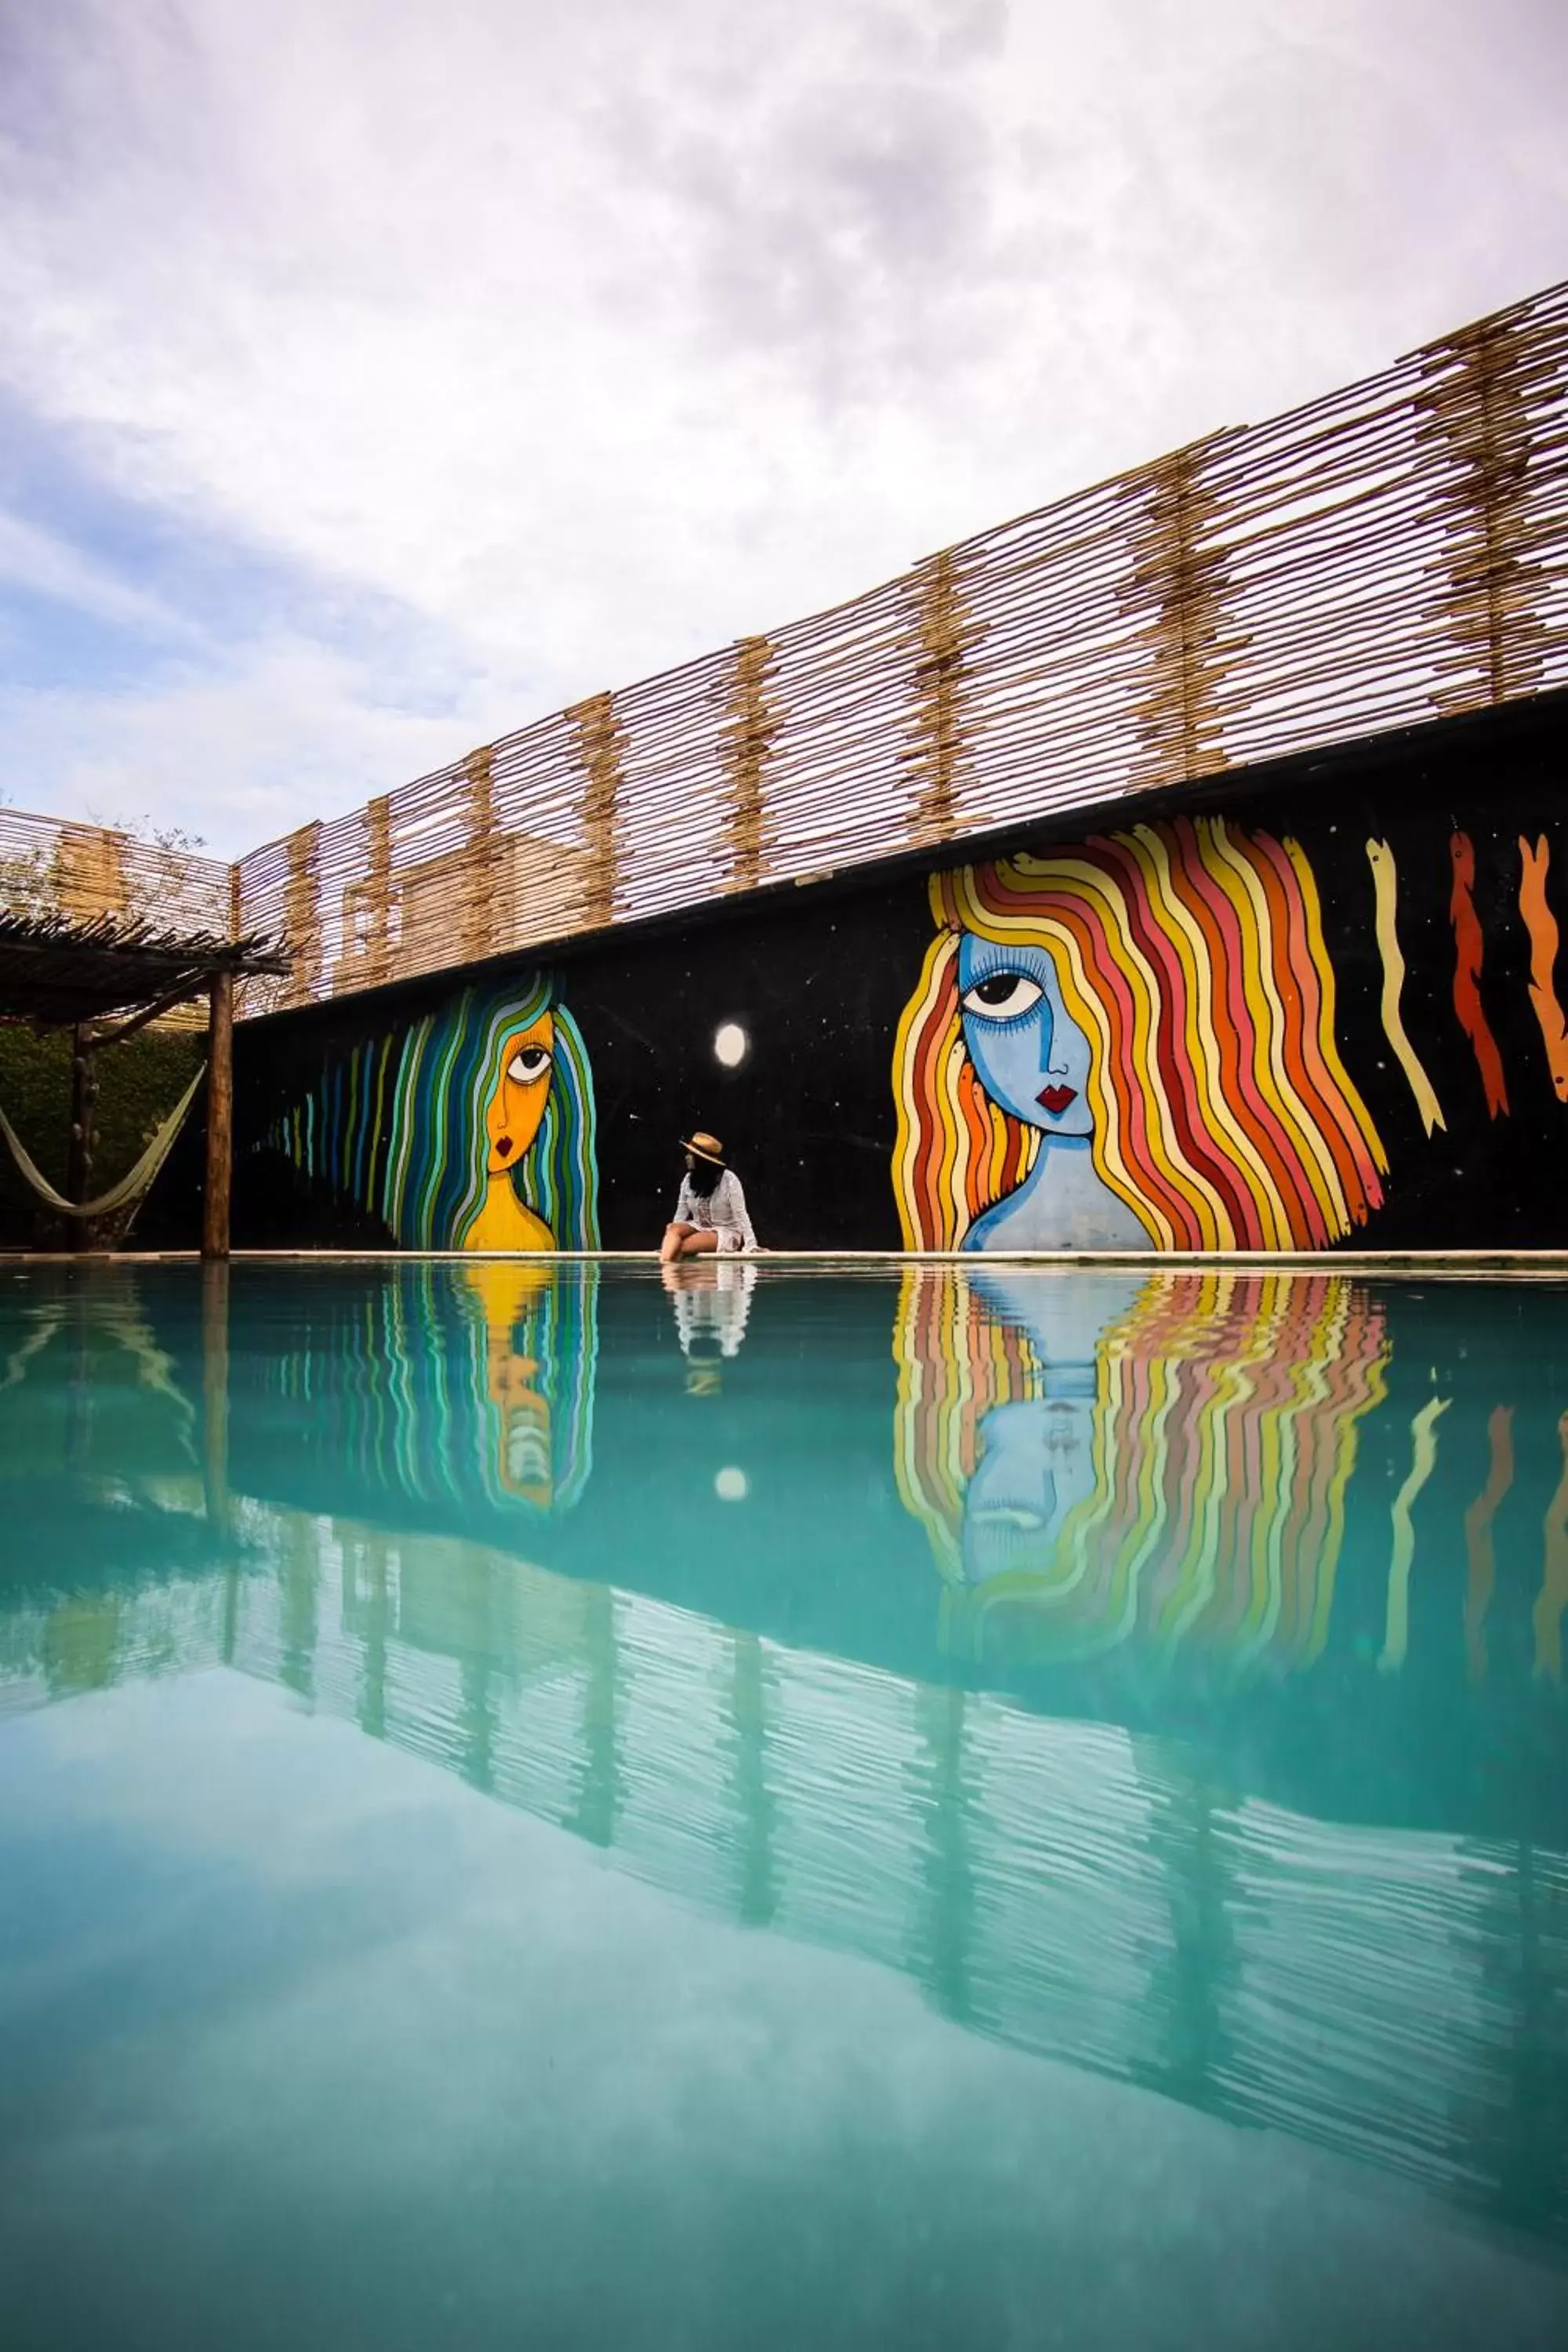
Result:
139,1083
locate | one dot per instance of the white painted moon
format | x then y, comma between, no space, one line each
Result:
731,1045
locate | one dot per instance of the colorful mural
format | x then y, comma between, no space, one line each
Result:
1135,1041
1469,948
1541,924
1109,1456
1130,1046
473,1129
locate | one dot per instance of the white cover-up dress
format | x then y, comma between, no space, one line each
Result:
722,1212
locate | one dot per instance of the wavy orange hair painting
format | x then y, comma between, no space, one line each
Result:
1192,956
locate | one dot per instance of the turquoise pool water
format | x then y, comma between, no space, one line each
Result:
973,1808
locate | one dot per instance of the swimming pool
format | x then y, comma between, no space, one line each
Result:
544,1808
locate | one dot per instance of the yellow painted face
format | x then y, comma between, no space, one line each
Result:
522,1087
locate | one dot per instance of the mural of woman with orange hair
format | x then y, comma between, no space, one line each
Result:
1130,1045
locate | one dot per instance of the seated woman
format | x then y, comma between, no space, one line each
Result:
711,1211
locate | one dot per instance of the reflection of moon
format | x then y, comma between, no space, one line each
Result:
731,1045
731,1485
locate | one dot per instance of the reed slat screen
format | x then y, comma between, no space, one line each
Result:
1393,552
52,865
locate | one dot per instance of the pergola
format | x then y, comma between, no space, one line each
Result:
107,978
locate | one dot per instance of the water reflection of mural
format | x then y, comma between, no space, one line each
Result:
437,1386
1107,1456
472,1129
539,1379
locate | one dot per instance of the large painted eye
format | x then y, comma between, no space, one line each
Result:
529,1065
1003,996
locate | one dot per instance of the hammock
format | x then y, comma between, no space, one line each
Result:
130,1187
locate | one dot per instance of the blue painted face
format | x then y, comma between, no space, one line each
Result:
1028,1052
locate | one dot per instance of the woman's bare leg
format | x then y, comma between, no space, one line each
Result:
697,1242
669,1248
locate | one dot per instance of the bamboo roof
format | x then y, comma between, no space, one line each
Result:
55,971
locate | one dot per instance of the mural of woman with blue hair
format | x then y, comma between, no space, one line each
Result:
472,1129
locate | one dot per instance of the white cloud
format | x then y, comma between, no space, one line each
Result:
237,752
595,337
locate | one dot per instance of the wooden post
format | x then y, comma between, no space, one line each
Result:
1176,590
750,726
1484,401
598,748
376,945
479,925
303,913
220,1118
945,637
78,1166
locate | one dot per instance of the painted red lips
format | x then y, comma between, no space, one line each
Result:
1056,1099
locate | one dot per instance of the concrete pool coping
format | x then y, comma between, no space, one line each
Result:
1538,1264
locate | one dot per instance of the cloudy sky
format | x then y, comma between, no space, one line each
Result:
379,374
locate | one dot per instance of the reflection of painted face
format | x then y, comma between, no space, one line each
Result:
1038,1462
1036,1459
506,1295
1028,1052
517,1106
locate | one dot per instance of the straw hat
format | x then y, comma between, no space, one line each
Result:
706,1147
